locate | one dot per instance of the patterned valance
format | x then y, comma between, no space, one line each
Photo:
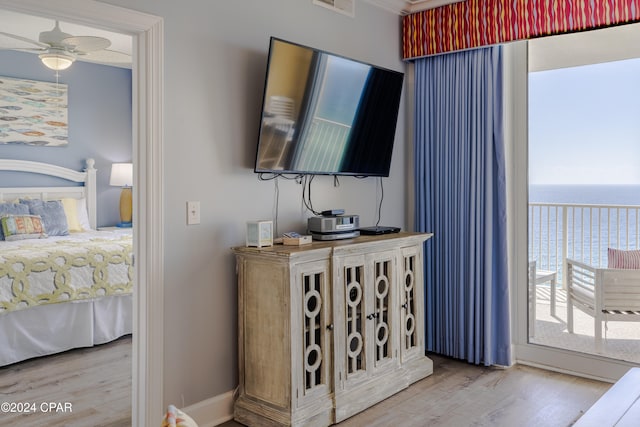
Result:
475,23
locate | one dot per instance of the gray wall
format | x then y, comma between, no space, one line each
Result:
215,59
99,115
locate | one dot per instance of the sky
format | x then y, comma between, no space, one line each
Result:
584,124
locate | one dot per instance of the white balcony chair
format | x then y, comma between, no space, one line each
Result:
604,293
538,277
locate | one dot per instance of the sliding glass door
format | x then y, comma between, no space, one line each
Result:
574,172
584,198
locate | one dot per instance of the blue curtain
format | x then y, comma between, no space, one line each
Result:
460,197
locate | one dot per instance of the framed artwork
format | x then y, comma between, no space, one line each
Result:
346,7
33,112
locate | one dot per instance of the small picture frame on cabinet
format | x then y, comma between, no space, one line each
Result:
260,233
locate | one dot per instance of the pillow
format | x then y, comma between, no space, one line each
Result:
617,258
70,207
83,215
52,213
177,418
20,227
12,209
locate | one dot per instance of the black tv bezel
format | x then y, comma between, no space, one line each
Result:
273,39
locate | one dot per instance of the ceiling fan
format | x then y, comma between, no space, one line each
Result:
60,49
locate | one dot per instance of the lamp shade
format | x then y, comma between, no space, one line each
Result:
57,59
121,175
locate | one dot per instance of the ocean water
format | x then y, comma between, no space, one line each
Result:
589,231
586,194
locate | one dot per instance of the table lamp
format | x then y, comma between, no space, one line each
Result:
122,176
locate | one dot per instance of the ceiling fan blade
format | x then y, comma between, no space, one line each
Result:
13,41
85,44
108,57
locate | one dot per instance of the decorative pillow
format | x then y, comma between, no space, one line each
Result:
20,227
70,207
177,418
618,258
12,209
52,213
83,215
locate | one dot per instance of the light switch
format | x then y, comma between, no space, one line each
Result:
193,213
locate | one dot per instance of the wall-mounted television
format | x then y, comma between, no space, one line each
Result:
326,114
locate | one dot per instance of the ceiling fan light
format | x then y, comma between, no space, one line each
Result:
57,60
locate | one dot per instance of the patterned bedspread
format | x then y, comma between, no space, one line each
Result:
82,266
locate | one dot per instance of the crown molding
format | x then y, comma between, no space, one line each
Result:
406,7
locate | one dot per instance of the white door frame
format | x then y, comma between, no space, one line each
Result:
147,110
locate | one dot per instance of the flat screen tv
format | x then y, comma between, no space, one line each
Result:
326,114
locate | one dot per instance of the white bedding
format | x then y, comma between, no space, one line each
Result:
80,266
29,330
115,233
53,328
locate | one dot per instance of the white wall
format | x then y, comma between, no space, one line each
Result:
215,58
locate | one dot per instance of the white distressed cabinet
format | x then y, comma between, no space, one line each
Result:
327,330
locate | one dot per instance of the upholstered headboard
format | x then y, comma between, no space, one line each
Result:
87,178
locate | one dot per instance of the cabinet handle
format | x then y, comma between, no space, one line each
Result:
330,327
373,316
404,306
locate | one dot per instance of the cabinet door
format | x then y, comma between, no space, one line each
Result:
411,302
366,306
351,308
312,333
384,313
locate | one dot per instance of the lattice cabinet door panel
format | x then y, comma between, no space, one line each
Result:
313,327
384,315
351,304
366,293
411,313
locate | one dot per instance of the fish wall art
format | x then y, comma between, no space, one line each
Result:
33,112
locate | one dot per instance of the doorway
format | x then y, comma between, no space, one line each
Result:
147,32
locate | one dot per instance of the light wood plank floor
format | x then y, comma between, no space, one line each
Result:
95,381
460,395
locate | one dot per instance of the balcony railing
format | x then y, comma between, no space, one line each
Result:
558,231
324,151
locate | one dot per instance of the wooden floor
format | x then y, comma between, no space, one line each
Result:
94,383
460,395
97,383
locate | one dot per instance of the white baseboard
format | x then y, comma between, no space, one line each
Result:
213,411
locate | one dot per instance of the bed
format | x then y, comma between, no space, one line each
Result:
59,292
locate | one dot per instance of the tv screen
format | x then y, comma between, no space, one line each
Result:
326,114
